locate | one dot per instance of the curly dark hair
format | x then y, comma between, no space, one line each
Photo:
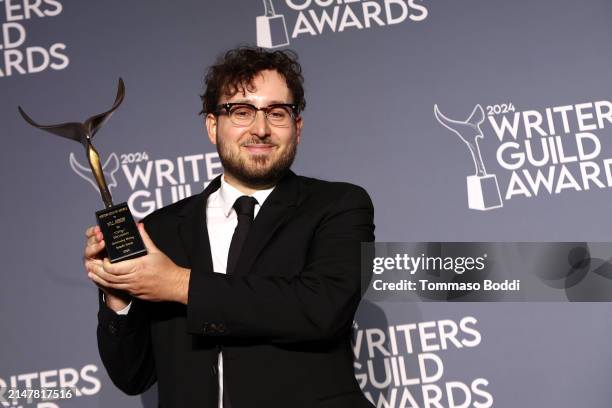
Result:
237,68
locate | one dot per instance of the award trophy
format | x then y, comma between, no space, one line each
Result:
482,188
118,228
271,28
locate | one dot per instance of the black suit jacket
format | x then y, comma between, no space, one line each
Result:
283,319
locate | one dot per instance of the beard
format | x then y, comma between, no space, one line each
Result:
260,170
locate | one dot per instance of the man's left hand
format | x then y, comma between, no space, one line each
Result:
152,277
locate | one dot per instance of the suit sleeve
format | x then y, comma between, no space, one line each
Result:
124,343
317,304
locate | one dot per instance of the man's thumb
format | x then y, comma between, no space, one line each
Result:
146,239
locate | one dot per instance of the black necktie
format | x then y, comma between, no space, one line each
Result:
245,210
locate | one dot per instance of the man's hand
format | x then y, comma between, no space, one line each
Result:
152,277
92,258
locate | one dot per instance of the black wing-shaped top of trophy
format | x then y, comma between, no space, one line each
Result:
116,222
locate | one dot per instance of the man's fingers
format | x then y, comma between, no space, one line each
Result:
93,239
120,268
93,230
151,248
98,280
100,271
91,263
95,242
94,249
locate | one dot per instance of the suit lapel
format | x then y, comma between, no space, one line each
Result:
193,231
276,211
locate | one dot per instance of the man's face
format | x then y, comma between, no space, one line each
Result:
259,154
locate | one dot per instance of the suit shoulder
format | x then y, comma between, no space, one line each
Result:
334,190
173,210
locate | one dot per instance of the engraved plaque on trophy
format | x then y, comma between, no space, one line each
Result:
121,237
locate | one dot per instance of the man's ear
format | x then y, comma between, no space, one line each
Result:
299,123
211,127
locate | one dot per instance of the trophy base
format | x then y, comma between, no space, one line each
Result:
271,31
483,193
120,233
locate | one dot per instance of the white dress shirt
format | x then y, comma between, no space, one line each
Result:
221,221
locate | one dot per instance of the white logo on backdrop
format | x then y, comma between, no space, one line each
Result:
52,388
153,183
315,17
19,57
546,151
403,365
271,28
482,188
109,169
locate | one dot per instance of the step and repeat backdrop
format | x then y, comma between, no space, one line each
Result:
465,120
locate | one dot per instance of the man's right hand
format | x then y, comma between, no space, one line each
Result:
92,259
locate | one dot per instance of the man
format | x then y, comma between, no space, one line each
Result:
248,291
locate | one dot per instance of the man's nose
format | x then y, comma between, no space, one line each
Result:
260,126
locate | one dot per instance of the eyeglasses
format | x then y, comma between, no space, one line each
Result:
243,114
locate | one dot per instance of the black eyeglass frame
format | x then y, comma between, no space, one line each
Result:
226,108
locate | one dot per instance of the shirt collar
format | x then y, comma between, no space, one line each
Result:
228,195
